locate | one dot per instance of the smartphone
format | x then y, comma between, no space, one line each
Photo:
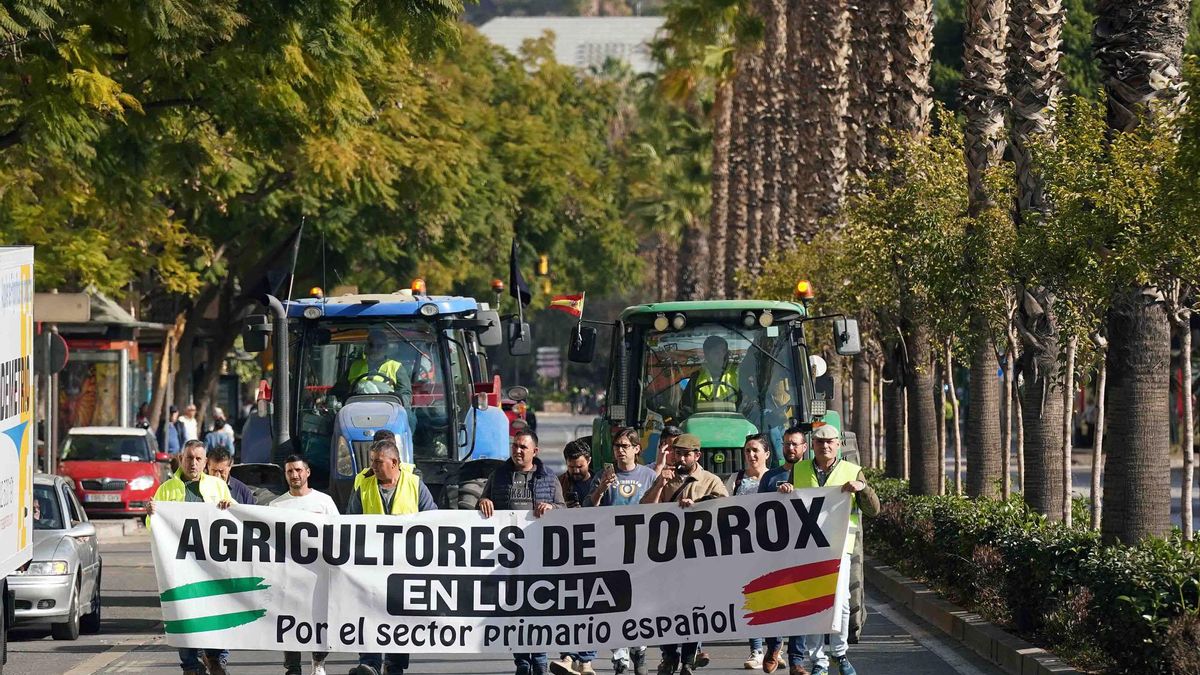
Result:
609,468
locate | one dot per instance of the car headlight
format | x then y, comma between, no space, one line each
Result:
141,483
43,568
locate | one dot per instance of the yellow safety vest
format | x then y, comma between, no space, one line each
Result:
360,477
212,489
405,501
391,368
804,475
716,392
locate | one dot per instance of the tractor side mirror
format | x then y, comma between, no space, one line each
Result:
257,334
583,345
846,339
490,332
520,338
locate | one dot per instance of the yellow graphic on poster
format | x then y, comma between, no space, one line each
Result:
16,406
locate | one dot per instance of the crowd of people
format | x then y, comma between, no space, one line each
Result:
391,487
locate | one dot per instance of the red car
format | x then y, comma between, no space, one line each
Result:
115,469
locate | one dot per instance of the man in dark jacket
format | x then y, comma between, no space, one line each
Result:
523,483
219,464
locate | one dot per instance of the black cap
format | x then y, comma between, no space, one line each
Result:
671,430
173,409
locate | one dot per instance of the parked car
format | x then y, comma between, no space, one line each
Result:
61,585
115,469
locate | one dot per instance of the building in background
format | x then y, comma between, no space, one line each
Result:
583,41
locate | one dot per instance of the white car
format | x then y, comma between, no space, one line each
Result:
61,585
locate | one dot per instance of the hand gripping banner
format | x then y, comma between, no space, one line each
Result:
255,577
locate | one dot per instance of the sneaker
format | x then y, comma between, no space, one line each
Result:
621,666
771,661
363,669
667,667
563,666
318,669
639,661
584,668
820,670
797,670
844,666
686,670
754,662
702,659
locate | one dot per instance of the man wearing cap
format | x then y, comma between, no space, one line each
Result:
795,445
826,469
686,484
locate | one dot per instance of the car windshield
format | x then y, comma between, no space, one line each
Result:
81,447
383,357
720,372
46,514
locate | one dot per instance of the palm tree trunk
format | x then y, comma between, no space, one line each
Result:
1042,402
756,188
986,460
1137,474
1139,45
774,86
1098,438
691,281
861,418
926,465
911,57
869,81
739,173
831,48
1067,429
1035,33
718,221
893,414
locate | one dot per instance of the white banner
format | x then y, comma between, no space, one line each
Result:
256,577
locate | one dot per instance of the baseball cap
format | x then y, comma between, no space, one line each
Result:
690,441
826,431
671,431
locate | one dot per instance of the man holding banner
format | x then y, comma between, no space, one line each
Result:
191,484
395,490
827,469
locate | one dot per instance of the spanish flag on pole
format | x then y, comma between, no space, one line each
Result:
571,304
791,593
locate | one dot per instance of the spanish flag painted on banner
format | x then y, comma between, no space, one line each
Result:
791,593
571,304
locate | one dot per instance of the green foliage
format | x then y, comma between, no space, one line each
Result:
1126,602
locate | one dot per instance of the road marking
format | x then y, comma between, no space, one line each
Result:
928,641
111,654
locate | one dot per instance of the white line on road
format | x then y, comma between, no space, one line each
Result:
111,654
928,641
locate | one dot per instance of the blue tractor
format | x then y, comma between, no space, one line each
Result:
346,367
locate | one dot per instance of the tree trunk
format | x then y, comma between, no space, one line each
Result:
1137,475
1067,429
939,406
770,122
756,178
954,419
739,174
830,45
1098,442
984,454
1019,430
694,247
893,414
1042,403
718,221
869,81
861,419
1189,453
1006,431
1035,33
926,465
911,57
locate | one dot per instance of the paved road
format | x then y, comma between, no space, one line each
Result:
131,640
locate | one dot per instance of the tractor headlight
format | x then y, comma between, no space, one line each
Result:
345,464
313,312
428,309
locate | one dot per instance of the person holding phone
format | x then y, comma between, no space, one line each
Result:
577,486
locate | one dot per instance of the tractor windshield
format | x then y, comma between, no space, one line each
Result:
341,360
720,382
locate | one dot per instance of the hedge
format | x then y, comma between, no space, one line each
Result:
1110,608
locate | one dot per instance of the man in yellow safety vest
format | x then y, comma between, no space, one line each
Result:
376,367
717,378
826,469
393,489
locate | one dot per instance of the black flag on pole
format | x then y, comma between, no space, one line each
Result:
516,283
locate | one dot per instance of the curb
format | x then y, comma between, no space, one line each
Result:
1011,654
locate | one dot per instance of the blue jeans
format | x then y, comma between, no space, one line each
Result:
531,664
839,641
189,657
796,650
376,661
584,657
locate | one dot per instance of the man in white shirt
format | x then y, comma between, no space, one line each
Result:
191,430
303,498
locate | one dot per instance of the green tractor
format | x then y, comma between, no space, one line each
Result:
722,370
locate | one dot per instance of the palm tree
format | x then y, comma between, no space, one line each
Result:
1139,45
912,45
983,102
740,149
830,48
1034,81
